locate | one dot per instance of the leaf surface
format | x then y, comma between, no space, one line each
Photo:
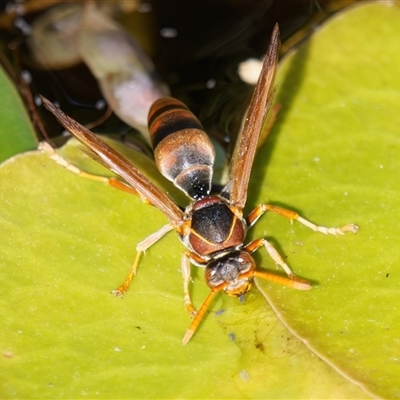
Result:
332,156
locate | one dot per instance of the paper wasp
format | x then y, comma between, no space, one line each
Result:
212,227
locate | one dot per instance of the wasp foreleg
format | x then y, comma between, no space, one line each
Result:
256,244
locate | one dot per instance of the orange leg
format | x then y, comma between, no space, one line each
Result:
188,257
256,244
199,316
141,248
187,278
113,182
291,215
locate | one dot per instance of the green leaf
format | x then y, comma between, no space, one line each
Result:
16,132
68,241
61,254
334,157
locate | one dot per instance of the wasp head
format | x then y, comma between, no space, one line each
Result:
233,273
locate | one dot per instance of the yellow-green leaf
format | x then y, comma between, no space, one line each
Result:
334,156
66,242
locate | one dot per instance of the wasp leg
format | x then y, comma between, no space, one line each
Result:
113,182
141,248
186,280
256,244
199,316
187,257
291,215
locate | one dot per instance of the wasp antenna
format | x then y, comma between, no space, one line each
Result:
293,282
199,316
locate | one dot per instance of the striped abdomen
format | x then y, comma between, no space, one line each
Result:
183,152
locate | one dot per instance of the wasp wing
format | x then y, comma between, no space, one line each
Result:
101,152
246,145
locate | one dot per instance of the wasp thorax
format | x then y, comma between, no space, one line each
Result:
184,153
233,270
215,227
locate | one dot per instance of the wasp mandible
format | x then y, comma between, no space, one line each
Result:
212,228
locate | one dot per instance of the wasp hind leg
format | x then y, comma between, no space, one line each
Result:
292,215
113,182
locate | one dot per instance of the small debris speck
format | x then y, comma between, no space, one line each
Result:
244,375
